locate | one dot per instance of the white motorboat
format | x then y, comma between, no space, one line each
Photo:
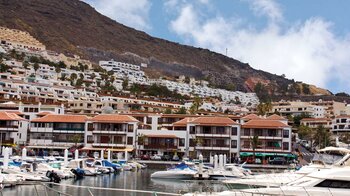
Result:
335,181
81,164
181,171
230,171
327,158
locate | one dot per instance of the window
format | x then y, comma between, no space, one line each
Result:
192,130
285,146
234,131
182,142
286,133
247,132
130,128
130,140
220,130
234,144
334,184
192,143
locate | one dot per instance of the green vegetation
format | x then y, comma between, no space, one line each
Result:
182,110
262,92
254,142
306,89
167,111
4,68
197,102
342,94
264,108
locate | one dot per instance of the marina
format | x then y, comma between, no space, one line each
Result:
88,176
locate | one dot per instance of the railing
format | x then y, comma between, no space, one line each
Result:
162,146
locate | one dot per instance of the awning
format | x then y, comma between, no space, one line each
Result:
106,149
258,154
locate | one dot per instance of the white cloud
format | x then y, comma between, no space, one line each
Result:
308,51
133,13
267,7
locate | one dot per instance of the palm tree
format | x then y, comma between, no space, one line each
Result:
58,70
76,139
254,141
36,67
197,102
140,141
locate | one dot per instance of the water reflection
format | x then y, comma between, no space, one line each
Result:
125,180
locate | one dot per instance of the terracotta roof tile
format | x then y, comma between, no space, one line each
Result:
10,116
183,122
270,124
251,117
275,117
62,118
114,118
14,112
214,121
44,113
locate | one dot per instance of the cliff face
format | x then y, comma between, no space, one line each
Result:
72,26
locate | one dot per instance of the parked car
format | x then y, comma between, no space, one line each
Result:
278,161
156,157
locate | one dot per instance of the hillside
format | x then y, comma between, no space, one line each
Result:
72,26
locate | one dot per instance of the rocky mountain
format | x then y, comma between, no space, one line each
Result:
72,26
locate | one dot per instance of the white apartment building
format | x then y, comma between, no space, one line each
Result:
298,108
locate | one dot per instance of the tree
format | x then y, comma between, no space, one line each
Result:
264,108
167,111
58,70
182,110
25,64
36,66
321,137
262,92
305,133
4,68
345,138
197,102
297,118
125,83
93,76
254,142
73,77
306,89
140,141
63,77
76,138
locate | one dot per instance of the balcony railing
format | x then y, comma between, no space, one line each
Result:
160,146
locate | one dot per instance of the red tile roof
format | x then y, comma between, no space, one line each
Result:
183,122
62,118
269,124
214,121
44,113
275,117
114,118
10,116
251,117
14,112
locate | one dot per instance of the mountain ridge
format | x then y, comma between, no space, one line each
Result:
73,26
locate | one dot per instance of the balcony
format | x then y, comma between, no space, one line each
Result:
109,132
108,145
8,127
160,146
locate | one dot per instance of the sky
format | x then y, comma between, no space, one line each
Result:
306,41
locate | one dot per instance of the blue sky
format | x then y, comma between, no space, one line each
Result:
308,41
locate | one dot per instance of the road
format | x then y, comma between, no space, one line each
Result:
307,155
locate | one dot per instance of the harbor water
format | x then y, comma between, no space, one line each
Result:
138,180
